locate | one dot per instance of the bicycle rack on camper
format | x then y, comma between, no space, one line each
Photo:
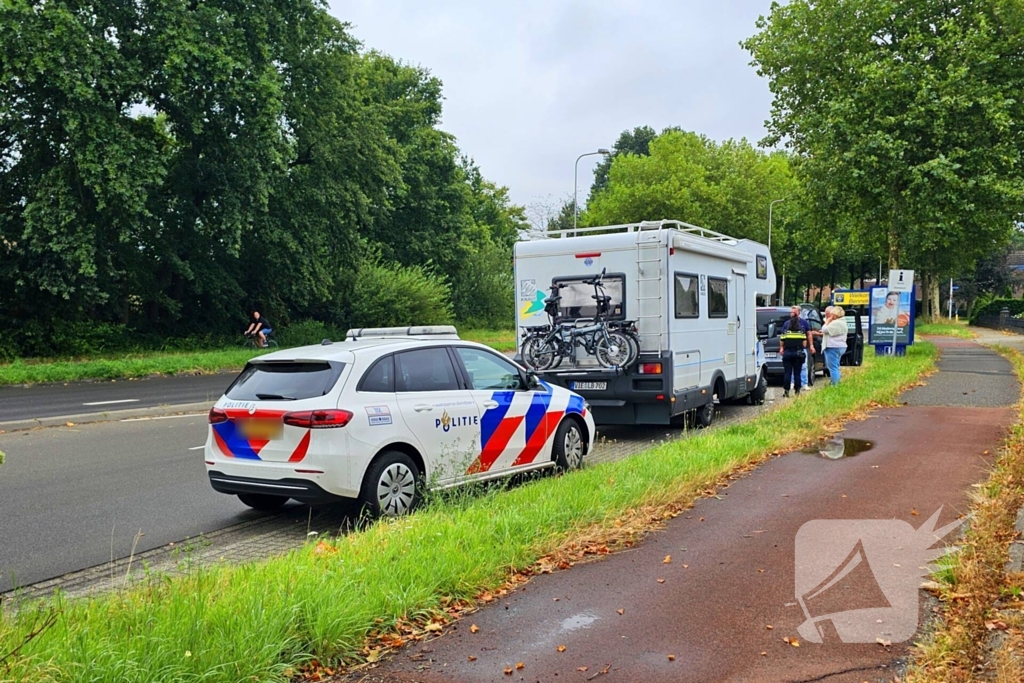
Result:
692,292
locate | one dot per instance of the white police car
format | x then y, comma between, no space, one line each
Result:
383,414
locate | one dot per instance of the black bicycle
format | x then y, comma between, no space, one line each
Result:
611,343
251,340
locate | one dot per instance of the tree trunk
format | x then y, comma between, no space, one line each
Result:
934,298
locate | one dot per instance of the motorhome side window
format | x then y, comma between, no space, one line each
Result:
578,297
718,298
687,301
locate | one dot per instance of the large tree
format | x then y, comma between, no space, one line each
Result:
907,113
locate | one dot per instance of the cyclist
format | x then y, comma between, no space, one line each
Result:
258,326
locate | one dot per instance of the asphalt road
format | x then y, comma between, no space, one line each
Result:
74,398
70,497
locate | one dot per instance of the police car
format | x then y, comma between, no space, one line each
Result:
383,415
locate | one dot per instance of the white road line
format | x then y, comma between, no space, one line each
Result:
196,448
107,403
161,417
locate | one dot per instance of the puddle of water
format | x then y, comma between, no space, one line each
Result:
839,447
578,621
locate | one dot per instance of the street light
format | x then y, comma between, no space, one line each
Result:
575,183
770,207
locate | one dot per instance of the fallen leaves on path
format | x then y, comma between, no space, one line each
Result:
561,648
667,560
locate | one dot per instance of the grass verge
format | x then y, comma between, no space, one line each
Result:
142,364
947,329
338,602
978,598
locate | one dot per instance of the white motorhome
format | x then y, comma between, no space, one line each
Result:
692,292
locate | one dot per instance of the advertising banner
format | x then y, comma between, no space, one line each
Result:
889,310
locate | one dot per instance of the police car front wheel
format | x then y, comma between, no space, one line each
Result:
392,486
568,446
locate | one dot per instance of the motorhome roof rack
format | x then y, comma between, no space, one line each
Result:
706,233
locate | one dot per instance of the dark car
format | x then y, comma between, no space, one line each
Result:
854,340
769,327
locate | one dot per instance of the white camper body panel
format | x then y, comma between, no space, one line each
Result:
707,343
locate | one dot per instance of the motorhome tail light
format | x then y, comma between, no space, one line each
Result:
217,416
650,368
318,419
659,397
589,254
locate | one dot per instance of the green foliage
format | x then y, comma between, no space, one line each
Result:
194,161
906,114
994,306
387,295
306,332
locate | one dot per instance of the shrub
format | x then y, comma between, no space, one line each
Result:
484,293
71,338
993,307
387,294
305,332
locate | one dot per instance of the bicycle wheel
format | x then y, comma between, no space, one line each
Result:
539,353
614,350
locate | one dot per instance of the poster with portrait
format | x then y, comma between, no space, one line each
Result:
891,310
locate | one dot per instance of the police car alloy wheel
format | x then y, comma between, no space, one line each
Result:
392,486
568,446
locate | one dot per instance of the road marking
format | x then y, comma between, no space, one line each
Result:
107,403
161,417
196,448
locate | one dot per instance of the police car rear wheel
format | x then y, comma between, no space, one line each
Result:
392,485
568,447
262,501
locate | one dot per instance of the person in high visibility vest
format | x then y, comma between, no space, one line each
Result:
795,338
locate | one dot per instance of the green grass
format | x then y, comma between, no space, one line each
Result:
262,620
143,363
947,329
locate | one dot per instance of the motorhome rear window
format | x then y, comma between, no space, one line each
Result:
578,298
687,301
762,267
718,298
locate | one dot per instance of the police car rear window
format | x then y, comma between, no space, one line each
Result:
284,381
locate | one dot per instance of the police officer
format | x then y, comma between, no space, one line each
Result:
795,338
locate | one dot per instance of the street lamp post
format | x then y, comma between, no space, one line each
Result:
770,207
575,183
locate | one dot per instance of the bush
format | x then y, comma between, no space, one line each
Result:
306,332
387,295
994,306
71,338
484,293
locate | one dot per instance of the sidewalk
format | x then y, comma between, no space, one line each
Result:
721,607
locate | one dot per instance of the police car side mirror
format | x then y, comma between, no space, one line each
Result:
532,380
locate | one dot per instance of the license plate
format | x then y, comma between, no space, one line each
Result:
261,429
592,386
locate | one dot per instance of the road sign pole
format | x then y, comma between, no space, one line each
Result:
896,326
950,298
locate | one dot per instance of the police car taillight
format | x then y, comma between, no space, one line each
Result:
217,416
318,419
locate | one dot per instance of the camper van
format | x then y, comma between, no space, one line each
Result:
692,293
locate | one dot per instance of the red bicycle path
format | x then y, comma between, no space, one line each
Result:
721,608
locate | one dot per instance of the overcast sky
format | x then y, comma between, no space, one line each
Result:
530,85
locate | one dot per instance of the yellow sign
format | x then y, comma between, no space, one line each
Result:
851,298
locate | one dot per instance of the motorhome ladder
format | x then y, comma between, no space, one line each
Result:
650,289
